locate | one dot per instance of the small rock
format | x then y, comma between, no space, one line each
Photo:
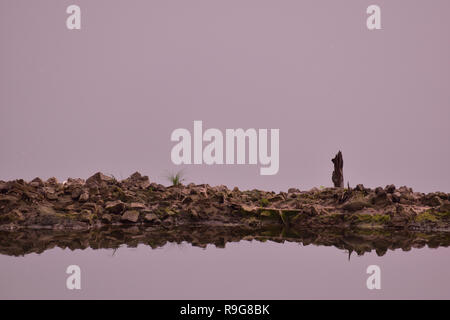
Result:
396,196
390,188
44,210
76,193
18,215
359,187
8,199
445,207
379,190
355,205
99,179
84,197
115,206
130,215
50,193
137,206
106,217
151,217
52,181
37,182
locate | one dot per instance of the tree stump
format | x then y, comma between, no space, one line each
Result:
338,173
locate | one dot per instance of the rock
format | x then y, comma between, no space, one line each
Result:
314,211
405,189
379,190
74,182
356,205
107,218
76,193
84,197
50,193
432,200
3,186
248,209
8,199
445,207
382,199
115,206
137,206
45,210
99,179
130,216
390,188
396,196
359,187
37,182
151,217
17,215
52,181
137,180
293,190
90,206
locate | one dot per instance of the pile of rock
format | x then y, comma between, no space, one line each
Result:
102,199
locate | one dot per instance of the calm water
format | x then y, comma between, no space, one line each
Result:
244,269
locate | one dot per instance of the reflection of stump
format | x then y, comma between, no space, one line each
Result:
338,173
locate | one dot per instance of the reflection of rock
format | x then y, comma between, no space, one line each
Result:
360,241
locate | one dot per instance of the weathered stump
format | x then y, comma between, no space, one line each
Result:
338,173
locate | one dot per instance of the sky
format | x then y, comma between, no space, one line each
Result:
107,97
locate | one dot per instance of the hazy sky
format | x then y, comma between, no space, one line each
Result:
107,97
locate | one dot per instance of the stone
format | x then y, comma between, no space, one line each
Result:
432,200
37,182
137,180
382,199
18,215
115,206
390,188
7,198
130,216
396,196
379,190
84,197
99,179
359,187
445,207
76,193
106,217
151,217
355,205
45,210
3,186
50,193
52,181
137,206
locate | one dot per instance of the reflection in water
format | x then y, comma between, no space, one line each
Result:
361,241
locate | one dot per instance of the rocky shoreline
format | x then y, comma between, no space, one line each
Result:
101,200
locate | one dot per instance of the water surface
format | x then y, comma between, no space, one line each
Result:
255,266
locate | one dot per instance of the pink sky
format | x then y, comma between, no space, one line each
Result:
107,97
